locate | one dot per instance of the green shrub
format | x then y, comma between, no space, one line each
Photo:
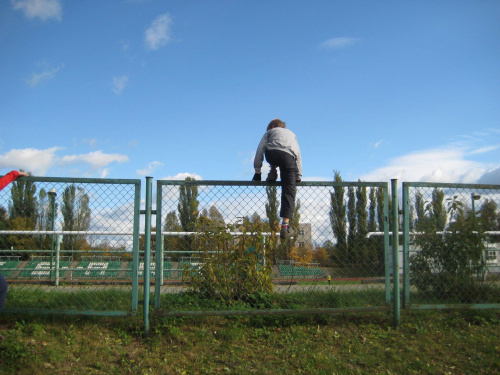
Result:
231,269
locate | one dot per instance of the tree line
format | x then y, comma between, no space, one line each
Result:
33,209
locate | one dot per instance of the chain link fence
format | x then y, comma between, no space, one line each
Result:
73,246
70,245
451,245
217,244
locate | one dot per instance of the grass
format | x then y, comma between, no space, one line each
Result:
431,342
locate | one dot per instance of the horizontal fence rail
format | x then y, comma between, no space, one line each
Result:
228,259
70,245
451,246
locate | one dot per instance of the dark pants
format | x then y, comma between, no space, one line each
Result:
288,173
3,291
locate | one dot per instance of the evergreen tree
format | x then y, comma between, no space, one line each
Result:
488,219
372,212
76,216
23,216
380,208
438,210
188,205
351,220
361,221
338,218
421,219
215,215
272,207
188,209
23,203
172,243
44,217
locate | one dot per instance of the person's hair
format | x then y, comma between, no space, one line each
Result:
276,123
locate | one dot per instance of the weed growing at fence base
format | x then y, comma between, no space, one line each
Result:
97,300
435,342
192,301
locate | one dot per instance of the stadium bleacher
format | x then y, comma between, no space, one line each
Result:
302,271
7,266
98,269
41,268
167,269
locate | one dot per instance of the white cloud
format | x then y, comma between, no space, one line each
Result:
376,145
96,159
119,84
434,165
491,177
158,34
39,162
182,176
149,169
43,9
337,43
29,159
44,76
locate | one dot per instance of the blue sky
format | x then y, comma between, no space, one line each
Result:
373,89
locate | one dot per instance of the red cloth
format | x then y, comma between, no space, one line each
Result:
8,178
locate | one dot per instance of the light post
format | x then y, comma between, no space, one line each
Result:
52,196
474,197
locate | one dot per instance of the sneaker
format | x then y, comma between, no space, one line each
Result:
272,176
286,233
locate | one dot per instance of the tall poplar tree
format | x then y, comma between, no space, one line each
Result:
76,213
188,205
188,209
24,203
438,209
361,221
272,207
372,211
338,218
351,220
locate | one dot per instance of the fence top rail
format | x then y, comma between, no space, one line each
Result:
265,183
370,234
82,180
103,233
451,185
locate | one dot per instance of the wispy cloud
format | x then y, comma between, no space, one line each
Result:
182,176
434,165
483,150
158,34
43,9
119,84
337,43
45,75
91,142
149,169
96,159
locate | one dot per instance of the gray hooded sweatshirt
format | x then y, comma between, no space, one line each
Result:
278,139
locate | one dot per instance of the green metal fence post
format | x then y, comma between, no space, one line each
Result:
159,248
395,251
406,246
147,252
58,256
135,250
387,265
52,196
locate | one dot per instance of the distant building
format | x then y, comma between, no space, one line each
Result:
304,236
